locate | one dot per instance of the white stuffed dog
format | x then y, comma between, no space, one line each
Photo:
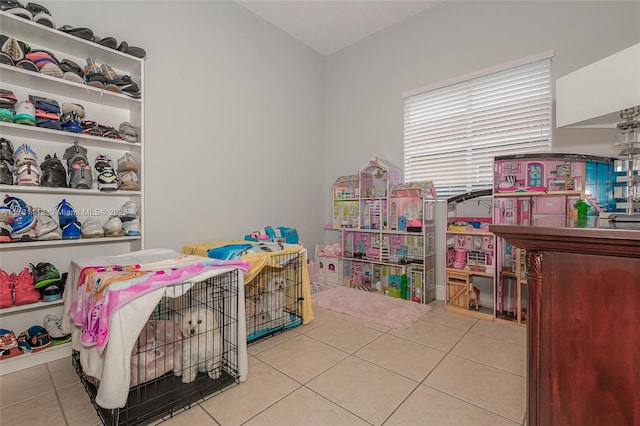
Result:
201,346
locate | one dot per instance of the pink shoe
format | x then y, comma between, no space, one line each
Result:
6,290
24,291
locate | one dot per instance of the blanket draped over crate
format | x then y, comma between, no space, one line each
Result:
111,364
259,260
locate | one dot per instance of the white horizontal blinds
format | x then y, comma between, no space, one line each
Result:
453,133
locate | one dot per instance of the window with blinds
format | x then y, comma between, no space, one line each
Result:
453,133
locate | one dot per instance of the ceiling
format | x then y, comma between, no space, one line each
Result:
331,25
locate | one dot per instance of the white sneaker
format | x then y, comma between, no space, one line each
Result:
25,155
53,325
91,228
132,228
128,211
28,175
45,223
113,227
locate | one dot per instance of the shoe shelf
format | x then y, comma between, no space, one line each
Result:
58,41
30,306
9,130
59,87
19,189
53,243
26,360
105,108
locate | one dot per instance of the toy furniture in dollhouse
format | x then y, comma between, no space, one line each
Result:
346,195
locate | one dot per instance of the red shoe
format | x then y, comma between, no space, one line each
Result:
6,290
24,291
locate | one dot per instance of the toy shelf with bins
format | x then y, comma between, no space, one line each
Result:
102,106
470,256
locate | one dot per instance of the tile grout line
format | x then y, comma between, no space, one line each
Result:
55,391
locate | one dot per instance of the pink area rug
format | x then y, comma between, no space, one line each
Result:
374,307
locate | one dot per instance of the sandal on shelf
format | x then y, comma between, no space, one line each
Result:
41,15
28,65
109,42
85,33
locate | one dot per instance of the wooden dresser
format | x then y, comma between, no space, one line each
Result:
583,360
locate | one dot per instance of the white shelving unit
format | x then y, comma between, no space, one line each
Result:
102,106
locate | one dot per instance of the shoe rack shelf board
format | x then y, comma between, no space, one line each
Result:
102,106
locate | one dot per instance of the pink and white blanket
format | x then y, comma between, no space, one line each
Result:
104,289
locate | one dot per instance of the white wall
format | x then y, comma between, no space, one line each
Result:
234,112
364,82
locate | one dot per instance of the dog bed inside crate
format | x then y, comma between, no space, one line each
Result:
111,367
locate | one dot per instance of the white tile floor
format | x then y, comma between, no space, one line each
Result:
446,369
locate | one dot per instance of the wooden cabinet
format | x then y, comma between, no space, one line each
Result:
583,355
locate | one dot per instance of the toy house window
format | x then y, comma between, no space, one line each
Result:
453,130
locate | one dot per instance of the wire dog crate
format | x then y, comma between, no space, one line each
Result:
186,352
273,299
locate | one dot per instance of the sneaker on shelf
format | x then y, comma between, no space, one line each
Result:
35,339
24,155
66,213
25,113
6,215
107,178
70,122
5,233
131,228
6,115
53,325
128,211
6,290
44,273
75,153
91,228
80,175
24,291
56,234
8,344
6,150
45,224
28,175
127,162
6,173
51,292
128,132
53,173
113,227
71,231
128,181
23,220
77,108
